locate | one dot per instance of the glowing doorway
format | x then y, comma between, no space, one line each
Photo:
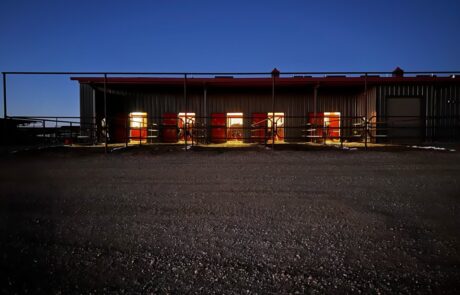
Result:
332,125
138,127
185,124
275,124
235,127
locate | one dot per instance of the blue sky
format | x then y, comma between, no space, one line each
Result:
215,36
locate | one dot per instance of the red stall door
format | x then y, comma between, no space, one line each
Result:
332,125
138,127
218,127
259,127
315,126
169,128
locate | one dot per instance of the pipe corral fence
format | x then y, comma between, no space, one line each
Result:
238,129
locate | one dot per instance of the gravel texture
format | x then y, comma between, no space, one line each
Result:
151,221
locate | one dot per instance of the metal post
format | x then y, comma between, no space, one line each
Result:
315,121
341,131
205,119
184,124
273,113
365,116
71,138
44,131
55,131
105,113
126,132
5,114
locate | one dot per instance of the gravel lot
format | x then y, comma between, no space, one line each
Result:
138,221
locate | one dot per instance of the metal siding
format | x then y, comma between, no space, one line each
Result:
87,108
296,103
440,115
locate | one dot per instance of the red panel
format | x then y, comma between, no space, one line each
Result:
333,131
316,122
120,126
169,127
138,134
258,127
218,127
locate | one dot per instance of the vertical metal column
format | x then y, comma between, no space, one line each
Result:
126,132
205,114
105,113
366,122
275,72
315,98
184,124
5,114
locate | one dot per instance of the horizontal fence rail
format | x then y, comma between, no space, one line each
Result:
205,130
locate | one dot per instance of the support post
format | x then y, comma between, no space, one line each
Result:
315,121
366,126
184,124
341,131
5,114
275,74
205,119
126,132
105,113
273,112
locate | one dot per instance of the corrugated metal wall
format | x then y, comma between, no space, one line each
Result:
87,108
441,106
296,102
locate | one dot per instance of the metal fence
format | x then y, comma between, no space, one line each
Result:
202,131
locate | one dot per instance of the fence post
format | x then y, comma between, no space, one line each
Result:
5,114
366,112
105,128
44,131
71,137
184,124
366,129
341,132
126,132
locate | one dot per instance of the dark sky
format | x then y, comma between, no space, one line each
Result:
215,36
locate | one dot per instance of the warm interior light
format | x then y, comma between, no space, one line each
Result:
235,126
138,126
189,120
278,120
331,123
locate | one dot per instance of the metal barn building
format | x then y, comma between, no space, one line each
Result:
279,108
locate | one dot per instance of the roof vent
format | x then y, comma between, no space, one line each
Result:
223,77
398,72
275,72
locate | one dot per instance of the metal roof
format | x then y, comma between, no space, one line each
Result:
266,82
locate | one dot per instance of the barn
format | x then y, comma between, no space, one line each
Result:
280,108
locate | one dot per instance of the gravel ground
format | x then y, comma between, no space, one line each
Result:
236,222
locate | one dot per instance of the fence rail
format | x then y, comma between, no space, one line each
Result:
319,129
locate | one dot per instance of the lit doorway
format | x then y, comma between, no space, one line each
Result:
138,127
235,127
186,124
332,125
275,124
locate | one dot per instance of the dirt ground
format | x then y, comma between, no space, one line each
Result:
137,221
